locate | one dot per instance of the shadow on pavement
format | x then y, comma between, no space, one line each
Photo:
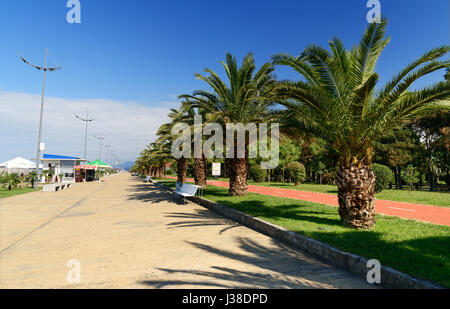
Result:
200,217
151,194
278,267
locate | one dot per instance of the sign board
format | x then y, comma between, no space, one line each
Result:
216,169
42,146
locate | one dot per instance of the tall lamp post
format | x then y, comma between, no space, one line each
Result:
101,141
86,120
112,152
44,69
107,153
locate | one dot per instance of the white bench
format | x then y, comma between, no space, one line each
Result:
53,187
147,179
186,190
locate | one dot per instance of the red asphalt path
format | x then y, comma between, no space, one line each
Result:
425,213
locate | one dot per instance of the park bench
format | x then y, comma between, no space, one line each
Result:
186,190
147,179
53,187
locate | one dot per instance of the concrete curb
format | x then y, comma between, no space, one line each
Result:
390,278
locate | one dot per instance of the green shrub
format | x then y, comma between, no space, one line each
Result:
328,178
446,178
410,175
256,173
296,172
383,176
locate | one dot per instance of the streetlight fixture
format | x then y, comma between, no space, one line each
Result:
112,152
44,69
107,153
86,120
101,141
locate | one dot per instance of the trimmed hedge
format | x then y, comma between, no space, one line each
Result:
256,173
297,172
383,175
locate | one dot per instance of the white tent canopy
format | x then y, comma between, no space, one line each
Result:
18,162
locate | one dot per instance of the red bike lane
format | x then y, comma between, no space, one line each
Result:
425,213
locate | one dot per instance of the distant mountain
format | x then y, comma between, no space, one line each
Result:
126,165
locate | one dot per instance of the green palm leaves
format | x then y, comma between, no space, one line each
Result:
339,101
244,98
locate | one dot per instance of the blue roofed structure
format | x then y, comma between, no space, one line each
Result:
59,166
47,156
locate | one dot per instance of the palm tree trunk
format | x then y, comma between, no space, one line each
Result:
200,171
182,165
356,194
160,171
397,178
238,176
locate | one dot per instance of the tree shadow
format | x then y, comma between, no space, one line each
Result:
149,193
427,258
258,266
200,217
292,211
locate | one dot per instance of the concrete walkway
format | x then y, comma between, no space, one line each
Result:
127,234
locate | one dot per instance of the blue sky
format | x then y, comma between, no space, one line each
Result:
142,54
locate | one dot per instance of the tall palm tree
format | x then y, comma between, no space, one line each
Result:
200,161
244,99
338,102
153,159
165,134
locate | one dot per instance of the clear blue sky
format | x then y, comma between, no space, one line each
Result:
148,51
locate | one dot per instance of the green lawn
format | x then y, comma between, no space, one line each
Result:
418,197
419,249
5,193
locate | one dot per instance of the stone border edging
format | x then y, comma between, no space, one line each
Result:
390,277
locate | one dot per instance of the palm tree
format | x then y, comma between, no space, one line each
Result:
200,161
11,179
31,177
338,102
245,99
153,159
158,154
165,133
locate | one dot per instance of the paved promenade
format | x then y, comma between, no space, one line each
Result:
127,234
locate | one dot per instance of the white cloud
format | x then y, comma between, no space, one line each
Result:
127,126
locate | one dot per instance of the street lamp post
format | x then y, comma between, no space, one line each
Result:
107,153
44,69
101,141
112,152
86,120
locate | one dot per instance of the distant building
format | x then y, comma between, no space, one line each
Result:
18,165
61,166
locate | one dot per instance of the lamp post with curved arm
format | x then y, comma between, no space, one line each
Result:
44,69
86,120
